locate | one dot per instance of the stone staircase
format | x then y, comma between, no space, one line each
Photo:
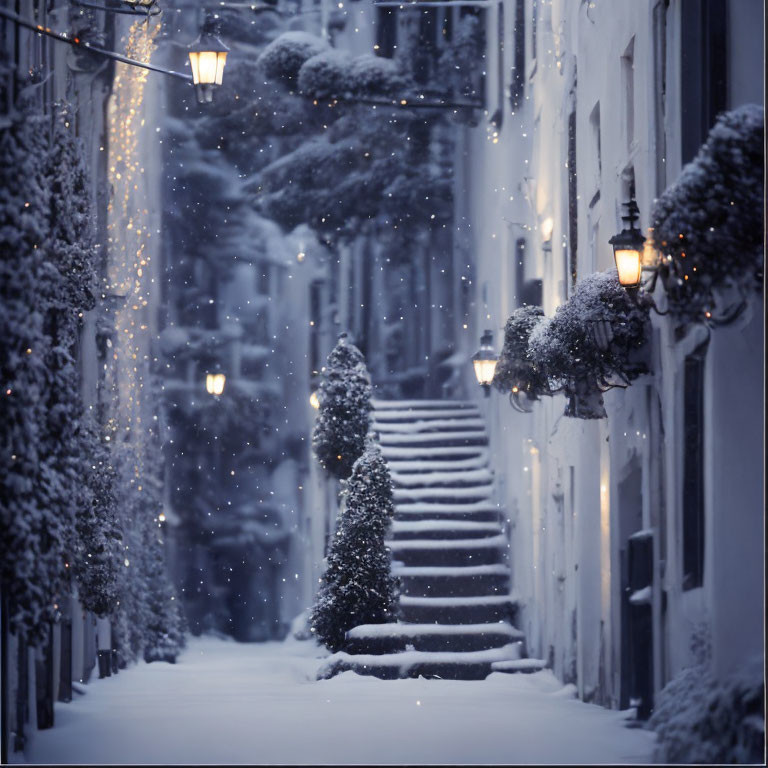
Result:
448,549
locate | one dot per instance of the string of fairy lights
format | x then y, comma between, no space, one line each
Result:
128,243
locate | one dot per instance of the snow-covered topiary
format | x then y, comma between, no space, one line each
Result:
702,720
709,224
284,56
592,343
343,419
325,74
516,373
357,587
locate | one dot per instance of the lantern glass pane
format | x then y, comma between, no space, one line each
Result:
221,60
209,383
629,266
206,67
484,370
194,60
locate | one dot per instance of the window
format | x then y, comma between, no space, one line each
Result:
594,124
693,468
517,84
573,207
386,32
703,70
500,67
628,87
315,310
660,92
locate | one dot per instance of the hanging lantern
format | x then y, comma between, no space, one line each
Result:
484,362
207,56
628,247
314,401
214,383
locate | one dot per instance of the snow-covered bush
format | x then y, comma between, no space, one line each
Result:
284,56
699,719
236,419
593,342
338,439
709,224
357,587
516,374
370,75
325,74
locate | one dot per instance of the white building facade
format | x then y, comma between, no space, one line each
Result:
588,103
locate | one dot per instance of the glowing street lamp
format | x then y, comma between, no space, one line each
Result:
207,56
628,248
314,401
484,362
214,383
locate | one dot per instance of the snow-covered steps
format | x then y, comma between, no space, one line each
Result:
477,551
473,510
458,610
514,666
406,467
397,636
438,494
428,425
449,581
448,548
409,405
403,530
430,453
449,665
420,439
448,478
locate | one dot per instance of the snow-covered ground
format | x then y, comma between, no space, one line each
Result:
225,702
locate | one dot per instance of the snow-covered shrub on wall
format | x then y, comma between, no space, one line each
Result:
699,719
593,342
516,374
357,587
284,56
325,74
338,438
709,224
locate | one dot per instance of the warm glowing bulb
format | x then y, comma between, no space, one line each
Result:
314,400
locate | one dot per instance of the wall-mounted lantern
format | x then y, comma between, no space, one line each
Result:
484,362
628,248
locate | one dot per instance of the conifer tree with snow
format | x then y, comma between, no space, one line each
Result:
357,587
343,420
97,553
32,530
